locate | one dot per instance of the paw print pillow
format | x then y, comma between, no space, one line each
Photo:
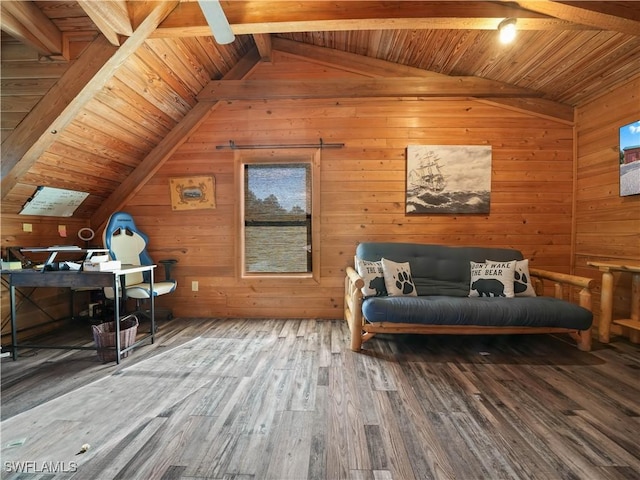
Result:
522,285
397,278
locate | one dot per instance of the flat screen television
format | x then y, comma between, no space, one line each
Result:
630,159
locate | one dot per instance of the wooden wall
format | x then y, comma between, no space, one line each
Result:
607,225
362,191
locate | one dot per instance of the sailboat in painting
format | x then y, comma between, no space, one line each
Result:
427,175
448,179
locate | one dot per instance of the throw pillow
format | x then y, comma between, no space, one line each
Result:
492,279
373,276
398,279
522,285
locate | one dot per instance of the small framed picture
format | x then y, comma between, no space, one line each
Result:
630,159
192,193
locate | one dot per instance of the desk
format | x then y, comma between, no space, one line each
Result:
76,279
606,299
54,251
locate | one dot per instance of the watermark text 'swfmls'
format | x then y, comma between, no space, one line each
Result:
32,466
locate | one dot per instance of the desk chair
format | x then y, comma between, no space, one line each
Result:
128,244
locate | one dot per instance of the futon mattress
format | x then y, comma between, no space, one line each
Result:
482,311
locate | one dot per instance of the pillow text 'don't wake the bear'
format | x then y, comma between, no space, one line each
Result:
492,279
522,286
373,276
398,279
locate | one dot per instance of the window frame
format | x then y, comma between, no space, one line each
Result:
280,157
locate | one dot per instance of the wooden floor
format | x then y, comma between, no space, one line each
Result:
275,399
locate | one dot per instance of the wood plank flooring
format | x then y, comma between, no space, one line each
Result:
286,399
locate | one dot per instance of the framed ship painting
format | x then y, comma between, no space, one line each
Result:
630,159
448,179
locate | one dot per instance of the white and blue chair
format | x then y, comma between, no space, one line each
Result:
128,244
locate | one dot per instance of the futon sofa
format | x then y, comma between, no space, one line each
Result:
439,289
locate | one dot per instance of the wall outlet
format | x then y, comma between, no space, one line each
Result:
194,286
27,227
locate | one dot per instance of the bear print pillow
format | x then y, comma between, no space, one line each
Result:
492,279
398,279
522,286
373,276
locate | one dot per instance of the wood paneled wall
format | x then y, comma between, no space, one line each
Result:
607,225
362,191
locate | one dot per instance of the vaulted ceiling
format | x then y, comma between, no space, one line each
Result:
100,93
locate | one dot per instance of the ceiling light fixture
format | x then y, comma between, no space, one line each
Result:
507,29
217,21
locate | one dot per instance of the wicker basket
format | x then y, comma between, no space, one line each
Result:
105,337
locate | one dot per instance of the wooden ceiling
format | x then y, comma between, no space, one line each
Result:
98,94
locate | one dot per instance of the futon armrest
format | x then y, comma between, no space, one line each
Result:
564,279
575,280
354,277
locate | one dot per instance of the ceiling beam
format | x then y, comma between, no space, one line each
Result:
373,67
167,146
39,130
600,15
263,42
25,22
287,17
360,88
111,18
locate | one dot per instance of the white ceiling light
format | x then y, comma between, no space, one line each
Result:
507,29
217,21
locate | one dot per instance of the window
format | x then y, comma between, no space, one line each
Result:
279,201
